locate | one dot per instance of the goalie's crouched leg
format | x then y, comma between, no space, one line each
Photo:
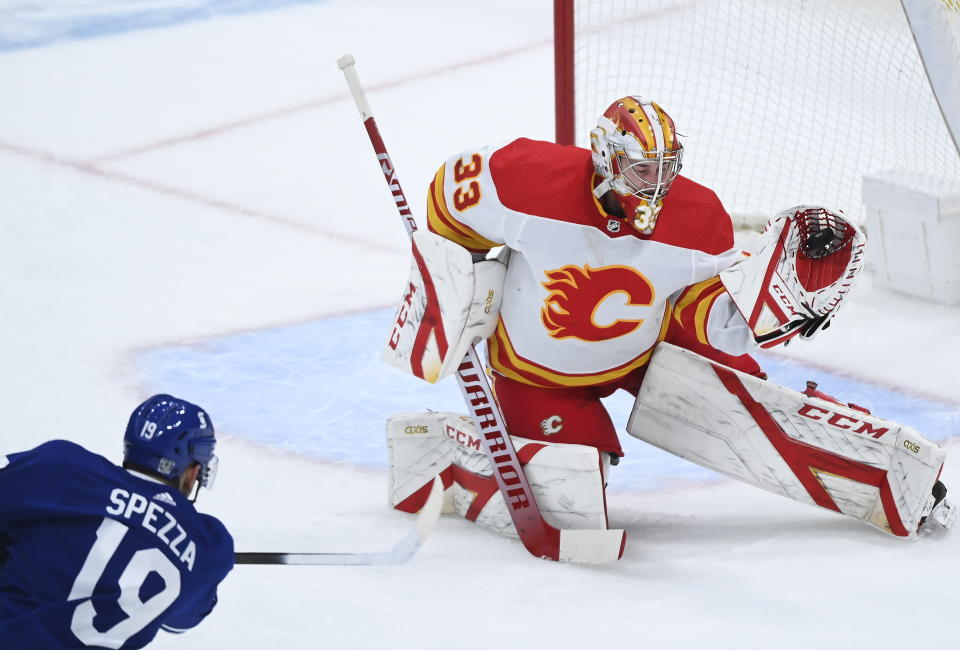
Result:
567,479
807,446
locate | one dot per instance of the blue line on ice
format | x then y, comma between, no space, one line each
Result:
34,23
319,389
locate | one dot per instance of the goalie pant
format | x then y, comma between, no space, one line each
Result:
567,480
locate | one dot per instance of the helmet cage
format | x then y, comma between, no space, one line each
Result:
822,232
201,450
647,177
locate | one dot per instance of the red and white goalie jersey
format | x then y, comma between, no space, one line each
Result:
587,297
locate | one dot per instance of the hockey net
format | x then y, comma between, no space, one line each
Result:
781,102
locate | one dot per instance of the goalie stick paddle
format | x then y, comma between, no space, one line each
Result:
540,538
401,552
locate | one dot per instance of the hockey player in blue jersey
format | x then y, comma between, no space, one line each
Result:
98,556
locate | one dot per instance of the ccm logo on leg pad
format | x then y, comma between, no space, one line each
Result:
841,421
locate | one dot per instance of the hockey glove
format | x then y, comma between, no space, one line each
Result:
793,284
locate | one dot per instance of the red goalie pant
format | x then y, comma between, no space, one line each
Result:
576,415
564,415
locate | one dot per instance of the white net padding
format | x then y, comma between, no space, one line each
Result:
782,102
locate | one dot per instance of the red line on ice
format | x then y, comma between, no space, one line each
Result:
319,103
91,169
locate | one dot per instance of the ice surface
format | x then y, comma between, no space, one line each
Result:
323,379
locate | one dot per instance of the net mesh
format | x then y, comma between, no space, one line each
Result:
822,233
781,102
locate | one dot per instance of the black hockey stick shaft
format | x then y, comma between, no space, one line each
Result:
402,551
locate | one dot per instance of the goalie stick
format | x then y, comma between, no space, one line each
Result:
540,538
401,552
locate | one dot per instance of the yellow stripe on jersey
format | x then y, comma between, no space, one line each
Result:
691,295
440,221
703,312
505,360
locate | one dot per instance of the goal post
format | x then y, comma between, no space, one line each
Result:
779,102
563,70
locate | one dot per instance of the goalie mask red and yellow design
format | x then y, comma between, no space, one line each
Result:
638,155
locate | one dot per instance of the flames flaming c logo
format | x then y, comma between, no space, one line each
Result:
569,311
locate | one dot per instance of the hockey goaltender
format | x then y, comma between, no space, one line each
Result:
614,271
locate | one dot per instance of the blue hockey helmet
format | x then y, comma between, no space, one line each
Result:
166,434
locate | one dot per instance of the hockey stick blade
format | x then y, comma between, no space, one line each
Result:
405,549
591,546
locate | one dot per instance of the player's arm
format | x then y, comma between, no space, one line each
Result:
792,285
706,320
24,477
194,610
462,202
180,622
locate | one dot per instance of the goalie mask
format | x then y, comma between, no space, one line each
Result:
638,155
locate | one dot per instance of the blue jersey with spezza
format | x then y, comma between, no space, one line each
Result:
99,557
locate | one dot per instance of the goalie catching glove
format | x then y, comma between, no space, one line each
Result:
449,304
793,285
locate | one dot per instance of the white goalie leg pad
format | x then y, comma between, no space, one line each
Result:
567,480
449,304
418,450
805,448
805,266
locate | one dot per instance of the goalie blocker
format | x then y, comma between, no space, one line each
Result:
449,304
803,446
